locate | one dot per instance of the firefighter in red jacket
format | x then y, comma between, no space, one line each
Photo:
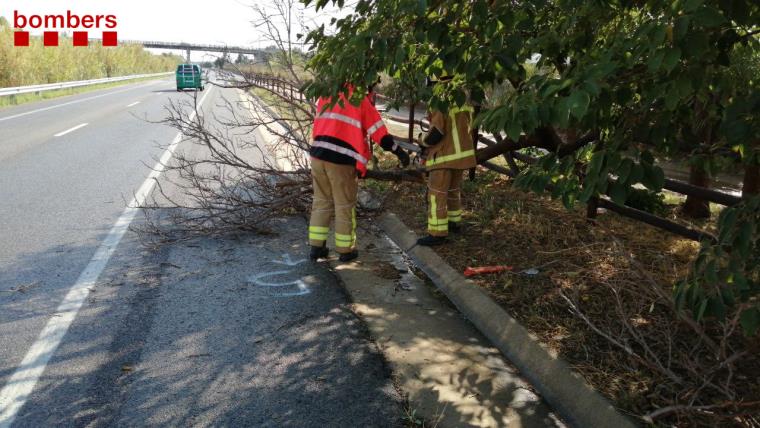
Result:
339,150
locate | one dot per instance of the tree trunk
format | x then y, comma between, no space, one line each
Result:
412,175
695,207
751,186
592,207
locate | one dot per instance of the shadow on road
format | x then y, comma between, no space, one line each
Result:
180,337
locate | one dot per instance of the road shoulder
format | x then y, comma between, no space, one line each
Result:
249,333
451,374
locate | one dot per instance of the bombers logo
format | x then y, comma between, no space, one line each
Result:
69,21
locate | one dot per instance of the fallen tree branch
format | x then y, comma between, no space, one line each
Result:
411,175
662,223
650,417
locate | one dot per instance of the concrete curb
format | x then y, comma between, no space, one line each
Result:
559,385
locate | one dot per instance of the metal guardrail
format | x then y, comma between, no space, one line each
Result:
63,85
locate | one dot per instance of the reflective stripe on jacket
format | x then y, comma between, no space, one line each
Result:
456,150
348,124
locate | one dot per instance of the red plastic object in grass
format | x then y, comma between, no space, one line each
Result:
471,271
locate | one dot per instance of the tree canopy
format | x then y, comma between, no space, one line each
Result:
604,87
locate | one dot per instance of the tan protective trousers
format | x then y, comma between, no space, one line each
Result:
335,188
445,200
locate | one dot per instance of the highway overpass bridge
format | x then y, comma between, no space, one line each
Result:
188,47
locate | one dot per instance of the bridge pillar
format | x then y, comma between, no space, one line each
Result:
188,55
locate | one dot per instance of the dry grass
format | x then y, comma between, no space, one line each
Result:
618,273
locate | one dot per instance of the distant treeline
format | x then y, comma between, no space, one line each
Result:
37,64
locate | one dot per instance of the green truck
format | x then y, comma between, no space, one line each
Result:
189,76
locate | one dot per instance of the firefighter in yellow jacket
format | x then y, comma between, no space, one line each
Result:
449,151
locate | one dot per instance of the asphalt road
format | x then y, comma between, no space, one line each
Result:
183,336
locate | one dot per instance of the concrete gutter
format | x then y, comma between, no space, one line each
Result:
566,391
450,374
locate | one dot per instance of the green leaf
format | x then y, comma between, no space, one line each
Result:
647,157
708,17
717,308
505,61
671,99
669,61
555,86
750,321
658,34
539,184
744,239
595,166
726,223
618,192
578,103
657,178
568,200
421,7
623,95
684,86
692,5
624,171
727,295
548,161
592,87
637,172
701,311
697,43
646,179
711,272
655,61
613,160
740,282
558,191
522,181
588,190
514,129
460,97
681,27
561,112
602,184
501,118
400,55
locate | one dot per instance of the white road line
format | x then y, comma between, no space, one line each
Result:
21,384
72,102
134,104
82,125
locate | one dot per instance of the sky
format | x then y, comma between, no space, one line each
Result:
214,22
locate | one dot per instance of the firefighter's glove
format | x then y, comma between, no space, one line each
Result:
402,156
